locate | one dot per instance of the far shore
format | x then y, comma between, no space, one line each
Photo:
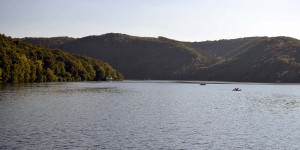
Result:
209,82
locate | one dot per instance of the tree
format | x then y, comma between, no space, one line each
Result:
100,73
24,69
50,75
39,71
32,71
15,73
0,75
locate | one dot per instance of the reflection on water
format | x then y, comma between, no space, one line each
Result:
149,115
87,90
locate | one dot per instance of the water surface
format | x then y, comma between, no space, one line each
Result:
149,115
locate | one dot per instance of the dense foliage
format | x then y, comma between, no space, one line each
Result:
24,62
253,59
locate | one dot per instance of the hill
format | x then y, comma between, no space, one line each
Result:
226,48
24,62
140,57
274,59
251,59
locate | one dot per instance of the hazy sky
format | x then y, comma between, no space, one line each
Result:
187,20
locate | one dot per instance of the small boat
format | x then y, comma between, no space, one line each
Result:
237,89
108,79
202,83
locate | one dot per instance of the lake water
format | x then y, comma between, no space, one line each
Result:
149,115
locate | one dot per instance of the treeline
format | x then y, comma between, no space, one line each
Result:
24,62
52,42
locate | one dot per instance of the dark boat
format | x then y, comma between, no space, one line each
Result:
202,83
237,89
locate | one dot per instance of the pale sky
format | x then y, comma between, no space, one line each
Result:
185,20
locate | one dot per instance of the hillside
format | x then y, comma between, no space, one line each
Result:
140,57
225,47
272,60
251,59
24,62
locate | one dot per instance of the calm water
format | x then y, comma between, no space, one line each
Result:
153,115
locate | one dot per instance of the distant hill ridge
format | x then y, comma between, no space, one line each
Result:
251,59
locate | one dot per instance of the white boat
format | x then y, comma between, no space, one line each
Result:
108,79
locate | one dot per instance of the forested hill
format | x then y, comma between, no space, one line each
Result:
140,57
251,59
226,47
24,62
274,59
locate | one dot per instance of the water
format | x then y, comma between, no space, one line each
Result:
149,115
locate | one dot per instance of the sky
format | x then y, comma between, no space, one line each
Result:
185,20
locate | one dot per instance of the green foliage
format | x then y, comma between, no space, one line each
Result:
1,75
24,69
50,75
23,62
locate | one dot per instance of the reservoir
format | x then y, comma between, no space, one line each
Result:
149,115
